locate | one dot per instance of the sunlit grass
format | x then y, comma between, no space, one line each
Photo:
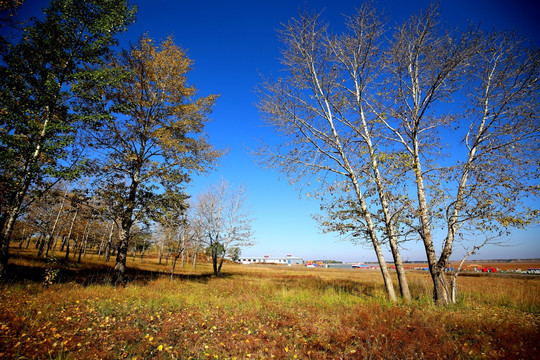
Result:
264,312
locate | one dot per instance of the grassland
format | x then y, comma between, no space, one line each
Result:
257,312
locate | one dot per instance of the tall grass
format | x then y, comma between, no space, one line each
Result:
264,313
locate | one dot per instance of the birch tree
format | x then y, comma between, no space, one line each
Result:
222,219
322,110
450,116
478,182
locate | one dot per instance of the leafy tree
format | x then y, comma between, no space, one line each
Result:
155,137
39,75
172,222
8,11
235,253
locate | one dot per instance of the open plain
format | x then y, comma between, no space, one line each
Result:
66,310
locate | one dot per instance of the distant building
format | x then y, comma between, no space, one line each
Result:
287,260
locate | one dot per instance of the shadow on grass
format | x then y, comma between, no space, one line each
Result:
68,271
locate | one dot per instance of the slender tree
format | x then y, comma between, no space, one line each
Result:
155,137
222,218
39,75
476,183
369,120
323,110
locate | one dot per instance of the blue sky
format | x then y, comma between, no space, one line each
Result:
232,43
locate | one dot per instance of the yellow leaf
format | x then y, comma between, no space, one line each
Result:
160,347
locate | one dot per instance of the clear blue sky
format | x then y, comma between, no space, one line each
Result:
233,42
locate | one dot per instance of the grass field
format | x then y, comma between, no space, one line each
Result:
257,312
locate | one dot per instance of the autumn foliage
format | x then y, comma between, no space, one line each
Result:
258,313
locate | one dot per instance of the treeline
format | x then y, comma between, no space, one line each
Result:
127,122
66,222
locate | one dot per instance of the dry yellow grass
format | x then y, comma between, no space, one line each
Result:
260,312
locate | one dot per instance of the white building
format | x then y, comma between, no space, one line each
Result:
287,260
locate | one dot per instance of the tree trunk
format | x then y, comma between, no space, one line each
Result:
398,262
49,242
119,276
67,248
109,244
453,289
102,245
75,246
70,231
388,284
221,263
23,237
4,246
52,237
194,263
83,240
38,241
370,227
108,253
214,261
63,244
81,250
41,248
366,135
440,285
15,208
5,237
173,262
53,248
17,200
441,292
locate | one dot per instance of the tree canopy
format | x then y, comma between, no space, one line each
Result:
40,78
155,137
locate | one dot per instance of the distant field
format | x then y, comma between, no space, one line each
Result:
257,312
503,265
